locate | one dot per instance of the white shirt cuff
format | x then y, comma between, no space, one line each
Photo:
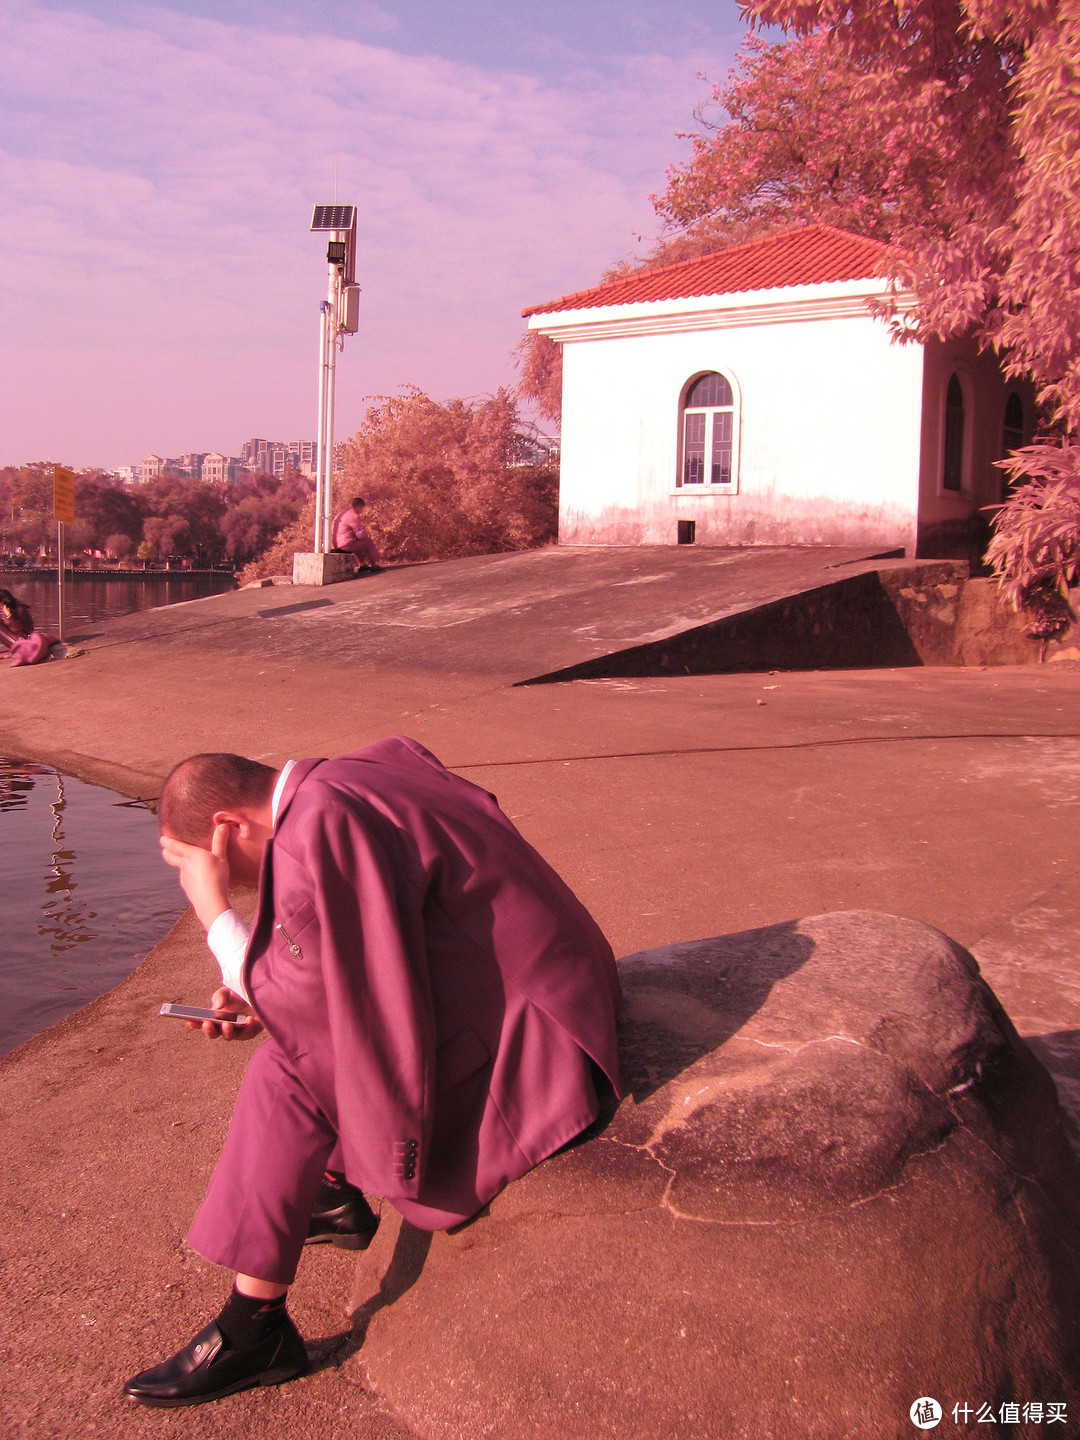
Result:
228,940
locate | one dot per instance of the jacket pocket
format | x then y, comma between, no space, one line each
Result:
458,1058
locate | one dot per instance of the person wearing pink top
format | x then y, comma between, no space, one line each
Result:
439,1008
26,645
347,534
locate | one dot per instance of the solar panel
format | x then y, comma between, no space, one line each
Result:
333,217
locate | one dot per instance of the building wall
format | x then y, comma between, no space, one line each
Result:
950,522
828,436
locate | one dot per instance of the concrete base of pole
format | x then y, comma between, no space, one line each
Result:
309,569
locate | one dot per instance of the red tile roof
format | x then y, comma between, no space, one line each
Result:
810,255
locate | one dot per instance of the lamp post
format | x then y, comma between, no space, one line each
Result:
339,315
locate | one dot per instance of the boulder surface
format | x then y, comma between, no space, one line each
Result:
838,1182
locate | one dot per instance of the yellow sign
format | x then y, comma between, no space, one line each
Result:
63,494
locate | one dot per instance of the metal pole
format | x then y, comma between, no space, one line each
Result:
60,578
330,391
320,502
330,310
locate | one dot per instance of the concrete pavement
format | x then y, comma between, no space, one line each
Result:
677,808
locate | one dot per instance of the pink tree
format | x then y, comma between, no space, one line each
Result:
993,90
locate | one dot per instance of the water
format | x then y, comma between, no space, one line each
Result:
90,597
85,895
84,891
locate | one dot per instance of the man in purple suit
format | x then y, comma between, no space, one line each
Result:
437,1005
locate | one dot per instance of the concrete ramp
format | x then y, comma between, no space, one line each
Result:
566,613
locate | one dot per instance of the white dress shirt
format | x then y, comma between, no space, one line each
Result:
228,935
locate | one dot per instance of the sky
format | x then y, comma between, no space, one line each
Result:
159,286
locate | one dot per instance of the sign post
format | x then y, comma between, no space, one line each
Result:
63,512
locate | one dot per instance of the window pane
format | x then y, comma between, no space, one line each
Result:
694,450
709,389
1013,437
953,471
721,448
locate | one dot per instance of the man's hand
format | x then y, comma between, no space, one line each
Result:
204,874
227,1002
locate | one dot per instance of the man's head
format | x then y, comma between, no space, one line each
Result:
206,791
357,502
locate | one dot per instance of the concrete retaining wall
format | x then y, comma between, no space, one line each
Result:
924,614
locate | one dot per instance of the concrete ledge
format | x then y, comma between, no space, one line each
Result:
311,569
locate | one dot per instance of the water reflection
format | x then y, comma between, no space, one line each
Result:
16,784
65,923
90,598
85,894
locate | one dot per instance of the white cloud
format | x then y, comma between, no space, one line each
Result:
159,288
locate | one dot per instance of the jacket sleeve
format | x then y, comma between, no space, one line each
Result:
368,902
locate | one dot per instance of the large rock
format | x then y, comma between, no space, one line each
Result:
838,1182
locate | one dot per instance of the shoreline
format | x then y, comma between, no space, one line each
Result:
79,572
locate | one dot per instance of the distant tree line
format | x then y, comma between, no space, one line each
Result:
173,516
440,480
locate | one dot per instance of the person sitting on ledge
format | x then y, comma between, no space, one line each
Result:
439,1007
348,536
26,645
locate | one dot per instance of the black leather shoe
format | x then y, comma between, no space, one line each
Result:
207,1369
342,1217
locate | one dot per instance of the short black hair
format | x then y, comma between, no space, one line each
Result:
203,784
357,502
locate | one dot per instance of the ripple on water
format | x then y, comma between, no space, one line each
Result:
85,894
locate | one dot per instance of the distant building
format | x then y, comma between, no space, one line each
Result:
218,469
189,464
754,397
126,474
273,457
150,467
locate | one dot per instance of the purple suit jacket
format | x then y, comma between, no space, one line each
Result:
436,986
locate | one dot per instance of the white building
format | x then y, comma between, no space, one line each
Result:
273,457
751,397
150,467
218,469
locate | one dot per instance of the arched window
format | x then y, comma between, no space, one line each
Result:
1013,430
952,475
708,434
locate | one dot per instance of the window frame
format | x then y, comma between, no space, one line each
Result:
963,380
708,487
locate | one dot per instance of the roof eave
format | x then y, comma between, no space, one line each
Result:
830,299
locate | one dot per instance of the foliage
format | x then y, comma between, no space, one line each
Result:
173,515
788,152
26,501
539,360
1035,548
993,91
440,480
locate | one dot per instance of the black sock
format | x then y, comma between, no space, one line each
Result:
245,1320
335,1190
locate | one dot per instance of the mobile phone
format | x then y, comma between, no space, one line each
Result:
198,1012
